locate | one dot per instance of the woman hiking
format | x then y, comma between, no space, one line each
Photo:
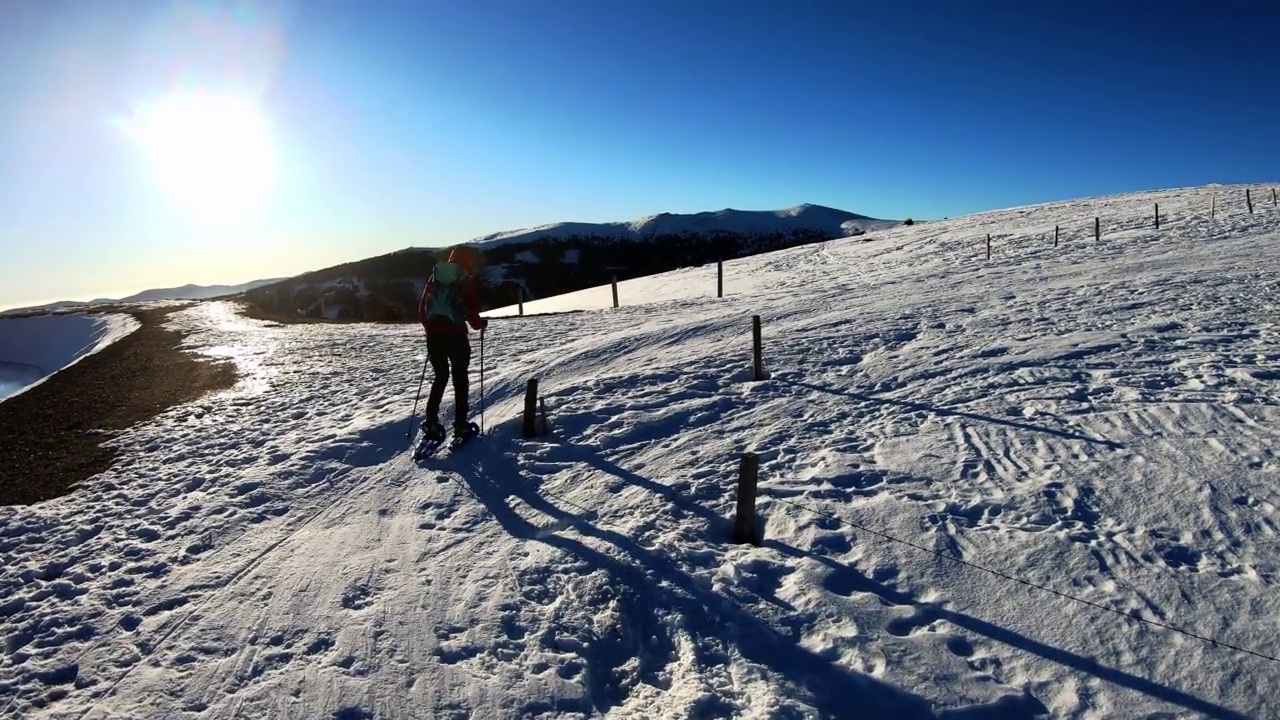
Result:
449,303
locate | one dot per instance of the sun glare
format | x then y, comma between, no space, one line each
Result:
211,153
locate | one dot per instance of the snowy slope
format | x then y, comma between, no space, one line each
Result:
1096,419
830,221
33,348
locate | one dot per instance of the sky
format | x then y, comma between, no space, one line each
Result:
151,144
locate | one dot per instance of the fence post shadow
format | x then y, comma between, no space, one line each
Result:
846,580
654,587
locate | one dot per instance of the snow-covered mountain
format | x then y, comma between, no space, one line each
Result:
185,292
559,258
828,221
196,292
1040,485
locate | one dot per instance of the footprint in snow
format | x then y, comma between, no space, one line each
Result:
988,665
358,596
978,514
1073,506
917,622
319,645
960,646
1179,556
166,605
977,470
831,543
452,650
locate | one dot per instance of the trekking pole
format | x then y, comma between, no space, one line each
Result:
482,380
425,361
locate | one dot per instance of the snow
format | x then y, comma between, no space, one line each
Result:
1097,419
34,348
831,221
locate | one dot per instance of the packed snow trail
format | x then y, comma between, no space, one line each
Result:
1098,419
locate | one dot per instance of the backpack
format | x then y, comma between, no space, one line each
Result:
446,294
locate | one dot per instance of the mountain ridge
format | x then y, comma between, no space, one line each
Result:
808,216
190,291
545,260
363,288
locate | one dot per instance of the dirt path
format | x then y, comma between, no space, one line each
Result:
51,435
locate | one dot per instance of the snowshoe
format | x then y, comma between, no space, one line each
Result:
463,433
432,431
433,436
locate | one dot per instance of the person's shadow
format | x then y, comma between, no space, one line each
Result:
655,594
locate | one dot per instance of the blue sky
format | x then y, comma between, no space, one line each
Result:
390,124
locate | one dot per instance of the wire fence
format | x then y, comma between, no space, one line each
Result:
1133,616
1156,221
1219,203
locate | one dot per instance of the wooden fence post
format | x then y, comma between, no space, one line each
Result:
988,246
1055,236
744,525
1097,228
1213,206
531,408
1157,216
720,278
520,299
614,281
757,354
1273,197
1249,200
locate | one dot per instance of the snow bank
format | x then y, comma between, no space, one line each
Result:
33,348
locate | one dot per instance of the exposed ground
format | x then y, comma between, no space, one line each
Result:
53,434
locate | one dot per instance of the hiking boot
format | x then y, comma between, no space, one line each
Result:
433,430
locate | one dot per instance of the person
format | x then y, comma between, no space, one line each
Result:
449,303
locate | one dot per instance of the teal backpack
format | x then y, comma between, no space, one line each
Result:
446,295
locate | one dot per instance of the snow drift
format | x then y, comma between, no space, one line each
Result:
33,348
1009,489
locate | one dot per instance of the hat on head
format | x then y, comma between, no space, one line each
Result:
462,256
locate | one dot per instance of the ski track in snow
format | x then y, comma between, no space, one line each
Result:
1099,419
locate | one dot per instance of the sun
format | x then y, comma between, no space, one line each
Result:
211,153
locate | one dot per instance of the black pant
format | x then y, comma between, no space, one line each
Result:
450,354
